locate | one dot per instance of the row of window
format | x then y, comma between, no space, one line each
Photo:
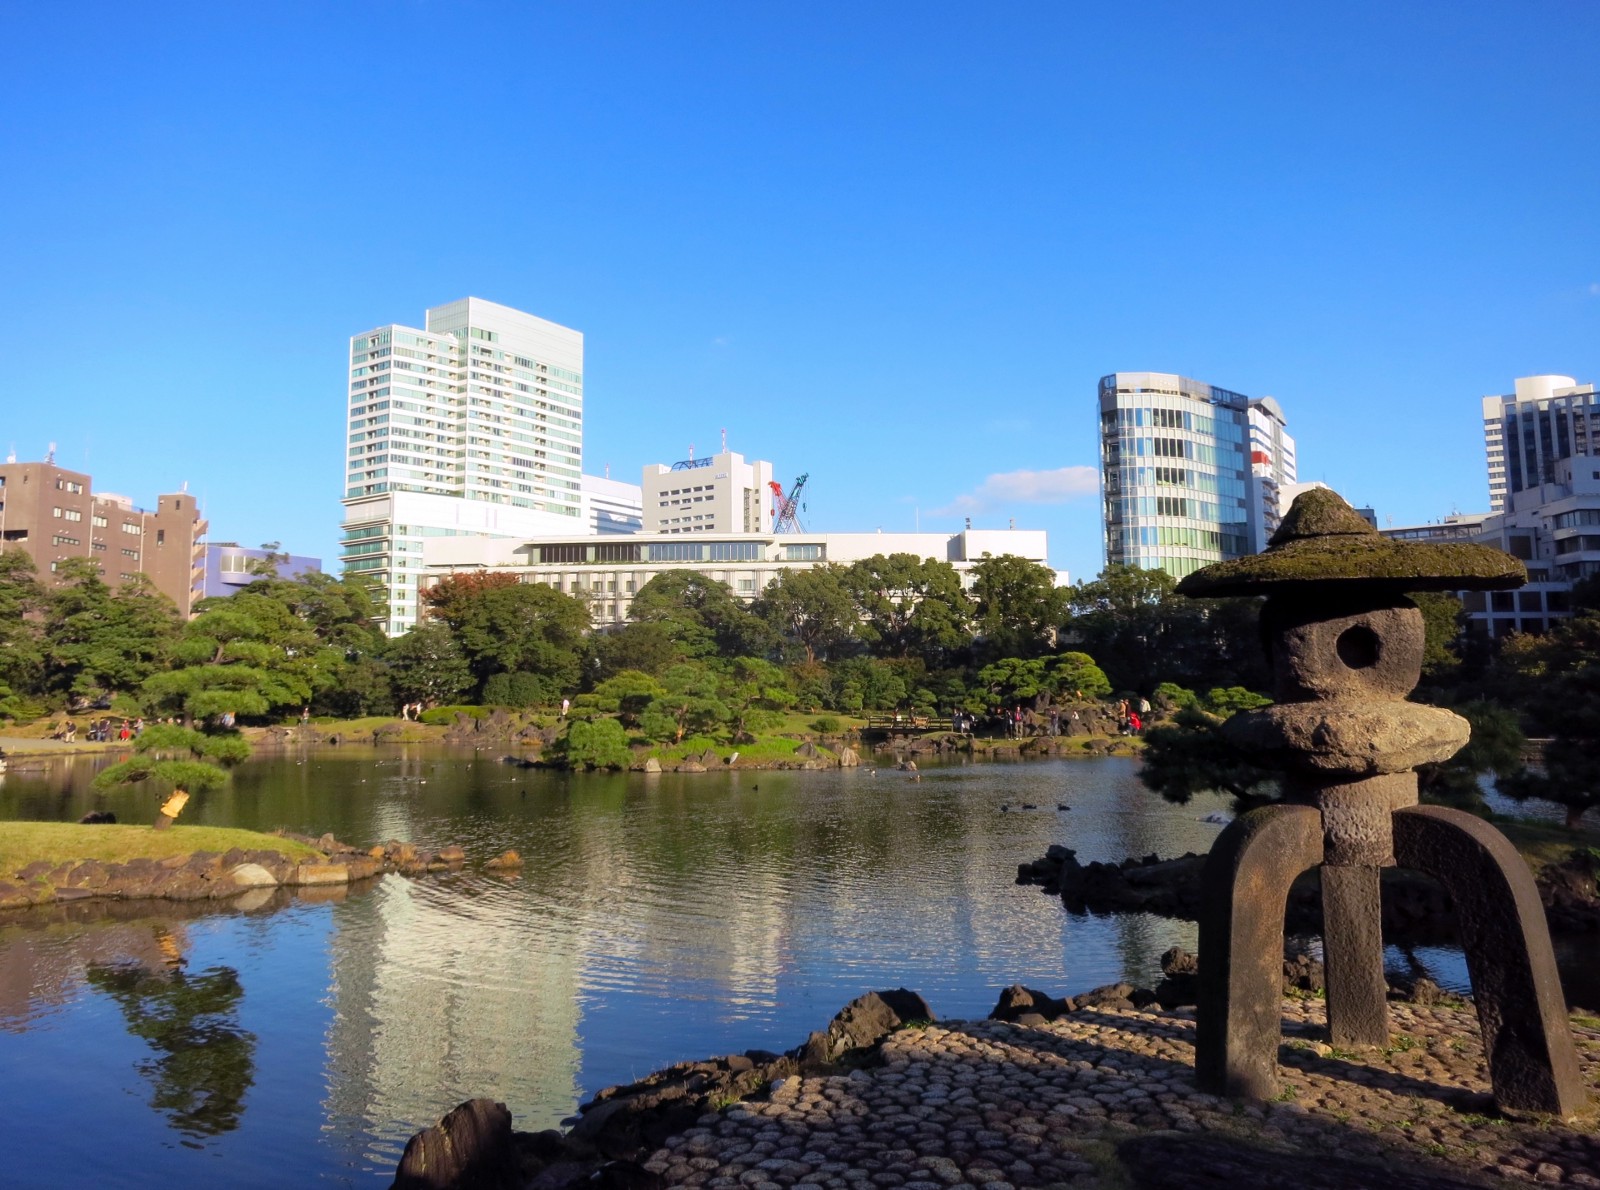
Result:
1186,537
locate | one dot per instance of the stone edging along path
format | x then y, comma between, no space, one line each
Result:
1100,1095
210,875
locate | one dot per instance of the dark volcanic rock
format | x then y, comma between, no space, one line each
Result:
472,1148
1018,1002
863,1023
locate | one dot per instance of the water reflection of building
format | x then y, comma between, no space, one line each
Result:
440,995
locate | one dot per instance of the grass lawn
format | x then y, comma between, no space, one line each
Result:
1544,843
21,843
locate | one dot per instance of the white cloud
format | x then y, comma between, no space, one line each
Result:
1594,288
1026,487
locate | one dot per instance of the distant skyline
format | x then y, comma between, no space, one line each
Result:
893,247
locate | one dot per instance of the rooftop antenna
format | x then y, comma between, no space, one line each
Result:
691,452
50,456
724,439
608,470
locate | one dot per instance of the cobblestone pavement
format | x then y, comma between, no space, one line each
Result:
1107,1097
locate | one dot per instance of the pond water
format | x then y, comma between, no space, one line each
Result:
657,919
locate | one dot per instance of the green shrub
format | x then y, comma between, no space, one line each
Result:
444,716
515,690
598,743
825,724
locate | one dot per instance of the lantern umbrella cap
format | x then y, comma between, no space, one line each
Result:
1322,541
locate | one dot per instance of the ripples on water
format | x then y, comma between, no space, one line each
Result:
656,919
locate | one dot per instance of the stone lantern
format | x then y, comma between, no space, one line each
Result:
1346,646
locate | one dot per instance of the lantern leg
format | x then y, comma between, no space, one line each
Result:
1352,952
1245,887
1522,1013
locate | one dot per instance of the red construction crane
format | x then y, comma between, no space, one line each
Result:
786,509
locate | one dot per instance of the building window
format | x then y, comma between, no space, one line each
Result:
675,552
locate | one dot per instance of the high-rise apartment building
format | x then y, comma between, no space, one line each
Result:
1190,474
1526,433
472,425
54,514
720,493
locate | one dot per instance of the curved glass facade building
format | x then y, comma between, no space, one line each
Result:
1189,472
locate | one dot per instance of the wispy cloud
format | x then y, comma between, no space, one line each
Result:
1026,487
1594,288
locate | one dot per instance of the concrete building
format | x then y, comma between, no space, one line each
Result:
54,514
1531,608
1526,433
718,494
230,567
610,572
471,425
1190,474
611,506
1542,450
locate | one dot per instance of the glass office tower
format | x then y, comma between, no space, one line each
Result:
1189,473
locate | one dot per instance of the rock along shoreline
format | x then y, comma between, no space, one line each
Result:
1093,1091
212,875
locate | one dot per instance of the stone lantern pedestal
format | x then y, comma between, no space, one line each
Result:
1346,648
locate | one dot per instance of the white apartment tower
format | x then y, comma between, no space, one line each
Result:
1543,421
1272,469
471,426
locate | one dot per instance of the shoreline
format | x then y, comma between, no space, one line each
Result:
1101,1094
240,873
811,752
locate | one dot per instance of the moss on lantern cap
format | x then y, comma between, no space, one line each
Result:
1322,540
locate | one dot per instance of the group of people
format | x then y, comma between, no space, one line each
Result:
1131,716
1019,721
101,731
409,711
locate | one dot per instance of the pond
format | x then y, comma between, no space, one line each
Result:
658,918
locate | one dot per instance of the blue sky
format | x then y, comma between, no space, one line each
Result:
893,246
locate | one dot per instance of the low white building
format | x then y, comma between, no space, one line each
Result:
610,571
610,505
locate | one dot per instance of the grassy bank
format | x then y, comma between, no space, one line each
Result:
23,843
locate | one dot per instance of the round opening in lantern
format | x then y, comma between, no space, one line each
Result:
1358,647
